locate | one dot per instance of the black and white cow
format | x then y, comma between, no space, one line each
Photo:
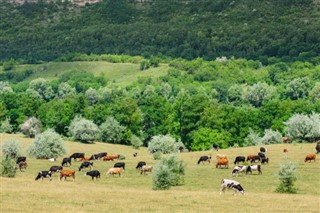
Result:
231,184
265,160
77,155
119,165
93,174
254,168
21,159
261,155
86,164
54,169
204,158
215,147
239,169
44,174
140,164
66,161
239,159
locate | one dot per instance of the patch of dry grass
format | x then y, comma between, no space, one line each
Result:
133,192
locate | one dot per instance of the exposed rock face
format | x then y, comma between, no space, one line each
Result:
76,2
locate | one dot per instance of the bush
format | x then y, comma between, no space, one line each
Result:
157,155
48,144
31,127
287,178
111,131
271,137
168,172
136,142
8,167
253,138
164,144
6,126
11,148
83,130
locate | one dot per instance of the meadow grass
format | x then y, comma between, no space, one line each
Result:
133,192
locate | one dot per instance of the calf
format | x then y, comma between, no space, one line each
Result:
86,164
21,159
254,168
44,174
23,166
239,159
135,154
239,169
285,150
262,149
310,157
140,164
119,165
222,162
231,184
66,161
204,158
77,155
67,173
146,169
54,169
93,174
114,171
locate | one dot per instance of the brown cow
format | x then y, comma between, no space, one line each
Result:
85,159
220,156
67,173
285,150
222,162
286,140
114,171
253,158
310,157
23,166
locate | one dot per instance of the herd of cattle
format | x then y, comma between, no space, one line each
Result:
119,167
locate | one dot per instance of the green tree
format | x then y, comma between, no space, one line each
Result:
5,87
111,131
83,130
259,93
6,126
31,127
11,148
163,143
298,88
66,91
205,137
40,88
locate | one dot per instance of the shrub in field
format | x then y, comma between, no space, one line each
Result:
168,172
136,142
253,138
31,127
271,137
111,130
83,130
8,167
157,155
163,143
287,178
48,144
11,148
6,126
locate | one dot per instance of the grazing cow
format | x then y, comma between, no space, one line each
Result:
262,149
114,171
239,159
23,166
254,168
54,169
253,158
135,154
265,160
204,158
231,184
140,164
67,173
310,157
261,155
107,158
98,156
181,148
222,162
66,161
286,140
44,174
21,159
239,169
86,164
119,165
285,150
318,147
215,147
93,174
146,169
77,155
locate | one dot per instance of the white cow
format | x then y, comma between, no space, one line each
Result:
231,184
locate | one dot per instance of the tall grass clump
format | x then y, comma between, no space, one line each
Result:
287,178
168,172
10,149
48,144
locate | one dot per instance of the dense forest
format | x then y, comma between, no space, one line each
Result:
258,30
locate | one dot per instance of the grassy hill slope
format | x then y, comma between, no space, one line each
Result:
133,192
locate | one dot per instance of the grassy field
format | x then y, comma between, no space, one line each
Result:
118,73
133,192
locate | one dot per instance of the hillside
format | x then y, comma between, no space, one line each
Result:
289,30
133,191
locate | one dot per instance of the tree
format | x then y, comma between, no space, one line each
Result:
5,87
31,127
40,88
259,93
205,137
11,148
163,143
6,126
271,137
235,93
66,91
92,96
168,172
136,142
48,144
111,131
287,178
83,130
298,88
315,93
252,139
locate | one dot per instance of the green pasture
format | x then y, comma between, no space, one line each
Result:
133,192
